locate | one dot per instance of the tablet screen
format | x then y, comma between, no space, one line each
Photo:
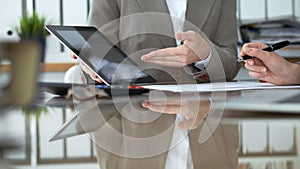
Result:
104,58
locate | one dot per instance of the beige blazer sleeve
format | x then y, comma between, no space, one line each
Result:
217,20
225,38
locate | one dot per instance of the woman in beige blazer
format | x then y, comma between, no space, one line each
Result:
141,26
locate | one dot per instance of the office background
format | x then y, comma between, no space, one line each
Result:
75,12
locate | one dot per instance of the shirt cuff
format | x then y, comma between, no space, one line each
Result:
202,65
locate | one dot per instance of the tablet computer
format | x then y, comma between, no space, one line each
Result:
100,55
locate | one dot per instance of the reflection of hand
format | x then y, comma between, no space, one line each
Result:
269,66
194,49
87,70
193,111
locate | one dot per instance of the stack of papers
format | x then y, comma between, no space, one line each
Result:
217,86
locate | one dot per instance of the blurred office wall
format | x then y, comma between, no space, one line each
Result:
75,12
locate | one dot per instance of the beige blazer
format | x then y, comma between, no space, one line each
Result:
140,26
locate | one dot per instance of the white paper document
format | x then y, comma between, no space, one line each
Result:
217,86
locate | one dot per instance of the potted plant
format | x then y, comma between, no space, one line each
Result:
33,27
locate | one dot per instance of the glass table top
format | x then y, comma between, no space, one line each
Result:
168,130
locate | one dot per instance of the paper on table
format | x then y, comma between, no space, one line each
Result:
217,86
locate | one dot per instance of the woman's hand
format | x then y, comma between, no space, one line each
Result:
269,66
87,70
194,111
194,49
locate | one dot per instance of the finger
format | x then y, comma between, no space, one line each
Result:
255,45
167,63
146,104
257,74
164,102
172,109
166,58
73,56
187,36
252,45
87,70
258,53
256,61
162,52
184,59
96,78
255,68
161,108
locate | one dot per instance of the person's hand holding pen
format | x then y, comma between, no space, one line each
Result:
269,66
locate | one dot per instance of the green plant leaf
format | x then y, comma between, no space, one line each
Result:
32,26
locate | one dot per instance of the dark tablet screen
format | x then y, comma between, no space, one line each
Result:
97,52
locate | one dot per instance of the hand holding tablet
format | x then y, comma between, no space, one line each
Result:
99,56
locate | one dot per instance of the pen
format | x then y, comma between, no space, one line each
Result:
270,48
118,87
102,86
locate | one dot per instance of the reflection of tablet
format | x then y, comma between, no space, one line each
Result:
91,118
100,55
55,88
62,89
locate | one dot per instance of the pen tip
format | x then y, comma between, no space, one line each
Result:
240,60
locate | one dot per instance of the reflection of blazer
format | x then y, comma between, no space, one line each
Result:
151,140
216,18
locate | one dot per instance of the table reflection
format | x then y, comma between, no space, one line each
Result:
182,130
159,130
189,106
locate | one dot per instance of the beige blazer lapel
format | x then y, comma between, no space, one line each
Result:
153,5
159,6
198,11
